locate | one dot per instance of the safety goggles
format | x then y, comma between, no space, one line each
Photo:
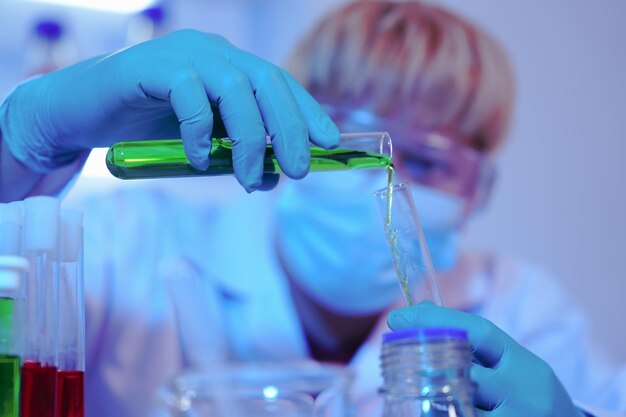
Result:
429,158
438,161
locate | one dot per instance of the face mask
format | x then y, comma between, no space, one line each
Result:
440,215
332,241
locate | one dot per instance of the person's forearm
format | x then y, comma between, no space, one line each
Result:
18,181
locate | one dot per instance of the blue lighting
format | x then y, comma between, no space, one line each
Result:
114,6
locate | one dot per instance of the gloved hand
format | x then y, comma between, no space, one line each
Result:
166,88
512,381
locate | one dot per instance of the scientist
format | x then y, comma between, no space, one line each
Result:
444,90
413,69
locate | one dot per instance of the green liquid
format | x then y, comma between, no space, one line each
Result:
391,233
399,263
6,325
166,158
9,385
9,364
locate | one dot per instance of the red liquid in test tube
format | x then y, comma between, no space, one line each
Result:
39,372
71,352
71,394
38,390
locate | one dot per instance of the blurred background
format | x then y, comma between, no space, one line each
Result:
560,198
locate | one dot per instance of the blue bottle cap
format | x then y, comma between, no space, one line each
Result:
155,14
49,29
426,334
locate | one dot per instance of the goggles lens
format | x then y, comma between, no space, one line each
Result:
428,158
436,161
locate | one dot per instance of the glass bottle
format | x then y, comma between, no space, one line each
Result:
426,373
147,24
48,48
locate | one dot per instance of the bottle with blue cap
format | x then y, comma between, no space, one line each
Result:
426,373
48,47
147,24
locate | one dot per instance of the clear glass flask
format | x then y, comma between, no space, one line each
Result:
409,251
166,158
258,389
426,373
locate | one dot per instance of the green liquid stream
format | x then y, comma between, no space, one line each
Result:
391,233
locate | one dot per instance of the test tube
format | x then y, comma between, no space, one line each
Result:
11,321
10,229
39,373
409,252
12,269
194,302
71,364
166,158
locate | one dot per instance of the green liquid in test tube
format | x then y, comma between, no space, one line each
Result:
166,158
9,385
9,363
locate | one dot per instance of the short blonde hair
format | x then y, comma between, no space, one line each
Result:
414,63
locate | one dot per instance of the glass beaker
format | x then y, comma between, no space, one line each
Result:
256,389
405,237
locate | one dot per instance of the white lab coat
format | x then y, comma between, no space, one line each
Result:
134,346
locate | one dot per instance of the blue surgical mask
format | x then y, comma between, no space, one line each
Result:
332,241
440,215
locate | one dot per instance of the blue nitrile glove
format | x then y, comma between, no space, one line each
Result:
512,381
164,88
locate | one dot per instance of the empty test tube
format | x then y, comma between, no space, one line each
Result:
194,302
10,229
166,158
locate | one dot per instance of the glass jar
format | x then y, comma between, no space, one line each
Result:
426,373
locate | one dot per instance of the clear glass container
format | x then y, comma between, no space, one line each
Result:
278,389
406,241
426,373
167,158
